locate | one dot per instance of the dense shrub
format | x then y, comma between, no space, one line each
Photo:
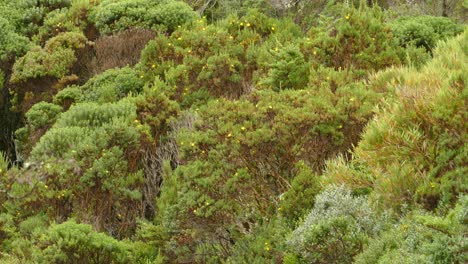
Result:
358,40
414,151
423,238
336,229
54,60
217,60
113,16
112,85
229,152
289,71
70,242
11,43
98,143
42,114
299,198
424,31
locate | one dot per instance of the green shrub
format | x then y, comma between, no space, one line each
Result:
114,16
289,71
424,31
336,229
70,242
226,153
11,43
423,238
112,85
68,96
358,40
299,198
414,151
42,114
54,60
217,59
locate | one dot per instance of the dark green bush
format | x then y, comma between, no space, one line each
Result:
358,40
114,16
54,60
424,31
289,70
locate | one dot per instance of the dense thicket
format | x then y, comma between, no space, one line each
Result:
260,131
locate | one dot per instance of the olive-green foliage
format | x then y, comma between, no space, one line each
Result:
73,18
112,85
237,146
42,114
11,43
100,176
299,198
114,16
289,71
422,238
213,60
424,31
70,242
265,243
358,40
336,228
414,151
54,60
3,164
68,96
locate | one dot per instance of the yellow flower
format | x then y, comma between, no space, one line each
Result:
231,37
315,52
328,78
45,186
273,28
179,38
271,107
153,66
267,248
351,99
192,144
347,16
241,23
242,128
229,135
141,76
248,25
207,203
194,211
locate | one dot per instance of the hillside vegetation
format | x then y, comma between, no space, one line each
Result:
216,131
